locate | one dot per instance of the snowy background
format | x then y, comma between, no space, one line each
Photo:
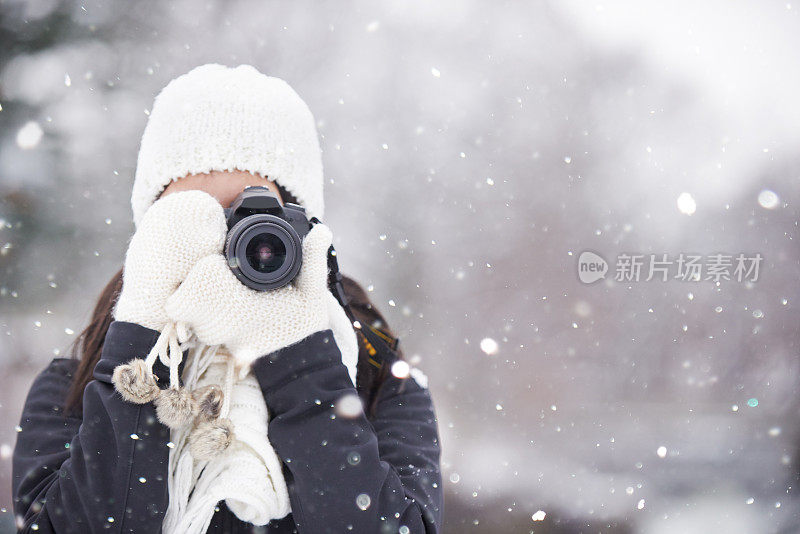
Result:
472,150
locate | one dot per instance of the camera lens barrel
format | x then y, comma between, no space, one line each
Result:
263,251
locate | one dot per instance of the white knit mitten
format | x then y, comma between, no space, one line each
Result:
220,310
175,232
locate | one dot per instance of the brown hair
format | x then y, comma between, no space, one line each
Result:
88,346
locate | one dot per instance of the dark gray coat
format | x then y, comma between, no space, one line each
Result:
106,471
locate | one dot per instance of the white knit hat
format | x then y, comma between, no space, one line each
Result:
220,118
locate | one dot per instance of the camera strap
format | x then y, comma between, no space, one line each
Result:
382,347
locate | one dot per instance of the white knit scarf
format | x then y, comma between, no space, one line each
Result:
247,475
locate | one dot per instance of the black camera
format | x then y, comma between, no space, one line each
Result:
263,246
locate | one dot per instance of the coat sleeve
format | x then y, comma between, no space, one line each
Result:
102,471
346,473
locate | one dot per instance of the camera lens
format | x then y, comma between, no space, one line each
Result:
265,252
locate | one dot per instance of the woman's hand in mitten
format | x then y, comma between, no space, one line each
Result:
174,234
221,310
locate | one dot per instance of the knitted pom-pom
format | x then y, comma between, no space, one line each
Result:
210,438
135,382
208,402
175,407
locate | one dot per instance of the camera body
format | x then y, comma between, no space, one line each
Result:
264,242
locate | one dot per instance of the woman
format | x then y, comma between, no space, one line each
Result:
194,403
